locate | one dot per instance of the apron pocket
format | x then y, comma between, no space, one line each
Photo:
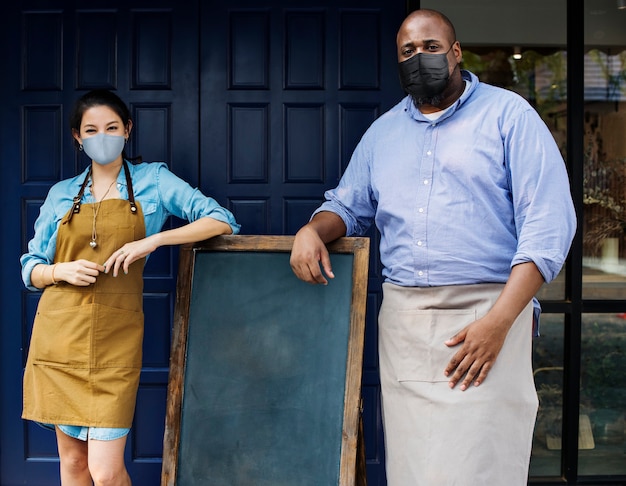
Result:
117,337
62,336
416,341
123,233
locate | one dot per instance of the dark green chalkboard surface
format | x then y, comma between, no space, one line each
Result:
265,373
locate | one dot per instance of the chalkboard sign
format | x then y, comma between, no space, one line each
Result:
265,372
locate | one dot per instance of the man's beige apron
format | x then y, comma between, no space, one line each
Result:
85,352
437,436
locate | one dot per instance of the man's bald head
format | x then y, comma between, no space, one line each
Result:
424,13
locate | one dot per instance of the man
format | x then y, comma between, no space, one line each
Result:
471,197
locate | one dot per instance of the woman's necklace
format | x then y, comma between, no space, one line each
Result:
96,209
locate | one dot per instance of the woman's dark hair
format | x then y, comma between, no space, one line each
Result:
100,97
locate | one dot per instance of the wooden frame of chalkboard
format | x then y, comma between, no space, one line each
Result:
265,370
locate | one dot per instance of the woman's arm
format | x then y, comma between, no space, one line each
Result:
201,229
43,275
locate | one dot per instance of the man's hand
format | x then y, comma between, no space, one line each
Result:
482,341
308,252
309,247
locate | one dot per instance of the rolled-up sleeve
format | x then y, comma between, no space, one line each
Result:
545,218
352,199
186,202
42,247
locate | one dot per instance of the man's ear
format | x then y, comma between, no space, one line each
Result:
458,53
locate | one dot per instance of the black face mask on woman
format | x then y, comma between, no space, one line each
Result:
425,76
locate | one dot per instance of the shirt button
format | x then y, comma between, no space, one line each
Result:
421,210
428,153
419,243
420,273
425,181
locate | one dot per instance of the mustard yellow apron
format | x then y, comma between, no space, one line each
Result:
85,352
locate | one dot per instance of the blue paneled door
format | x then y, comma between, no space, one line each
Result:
258,104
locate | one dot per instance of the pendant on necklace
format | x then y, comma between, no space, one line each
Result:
93,243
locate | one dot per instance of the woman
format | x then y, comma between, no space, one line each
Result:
92,238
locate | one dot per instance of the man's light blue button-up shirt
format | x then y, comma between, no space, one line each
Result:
460,199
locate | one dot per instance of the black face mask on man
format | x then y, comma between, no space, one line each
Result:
424,76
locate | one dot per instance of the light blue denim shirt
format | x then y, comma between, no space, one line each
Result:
159,192
462,199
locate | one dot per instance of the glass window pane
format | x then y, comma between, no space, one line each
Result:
603,393
555,290
548,371
604,203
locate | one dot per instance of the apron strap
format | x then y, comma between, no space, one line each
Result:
129,186
77,198
76,201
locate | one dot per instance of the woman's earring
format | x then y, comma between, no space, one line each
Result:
80,147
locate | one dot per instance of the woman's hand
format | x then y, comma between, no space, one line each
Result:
79,272
201,229
129,253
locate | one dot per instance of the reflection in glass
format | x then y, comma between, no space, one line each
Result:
604,190
603,393
548,372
